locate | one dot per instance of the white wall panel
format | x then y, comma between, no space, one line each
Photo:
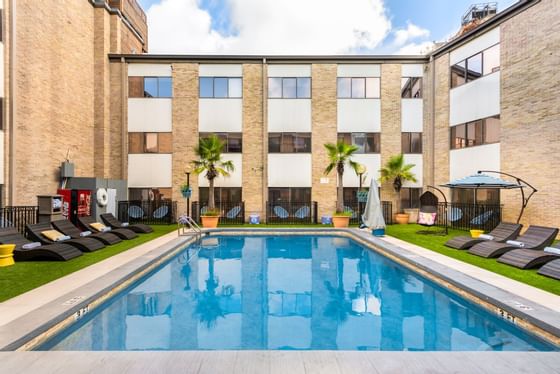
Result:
220,115
359,115
154,70
220,70
285,115
149,115
371,161
467,161
289,170
235,177
475,100
417,169
412,115
149,170
289,70
412,70
482,42
358,70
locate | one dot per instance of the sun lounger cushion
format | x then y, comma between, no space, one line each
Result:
31,245
516,243
98,226
486,237
426,218
552,250
54,235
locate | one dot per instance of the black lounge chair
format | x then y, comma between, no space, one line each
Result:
50,252
67,228
528,258
124,234
83,244
503,232
552,269
536,237
110,220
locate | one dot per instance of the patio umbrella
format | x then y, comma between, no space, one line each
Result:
373,215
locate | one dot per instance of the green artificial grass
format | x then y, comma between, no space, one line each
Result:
435,243
25,276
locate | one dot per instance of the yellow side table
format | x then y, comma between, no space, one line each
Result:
7,254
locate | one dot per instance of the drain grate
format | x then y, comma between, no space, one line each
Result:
73,300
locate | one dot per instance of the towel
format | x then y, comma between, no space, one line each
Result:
556,251
31,245
486,237
62,238
124,224
85,233
105,229
515,243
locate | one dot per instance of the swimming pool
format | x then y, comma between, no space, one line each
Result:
289,293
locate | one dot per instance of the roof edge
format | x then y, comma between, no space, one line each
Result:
268,58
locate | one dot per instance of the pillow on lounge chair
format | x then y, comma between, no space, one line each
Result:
53,235
426,218
85,233
486,237
31,245
99,226
556,251
515,243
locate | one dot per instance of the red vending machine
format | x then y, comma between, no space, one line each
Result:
76,203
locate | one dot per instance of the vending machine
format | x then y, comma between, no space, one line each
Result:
76,203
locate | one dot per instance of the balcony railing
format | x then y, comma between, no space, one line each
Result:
148,212
291,213
231,213
18,216
357,209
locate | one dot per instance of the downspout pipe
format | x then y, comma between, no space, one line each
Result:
12,94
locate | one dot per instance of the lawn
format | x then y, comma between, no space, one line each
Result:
25,276
435,243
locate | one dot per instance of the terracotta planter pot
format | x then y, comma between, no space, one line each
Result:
401,218
210,222
340,221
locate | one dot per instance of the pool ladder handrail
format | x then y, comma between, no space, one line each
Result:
196,230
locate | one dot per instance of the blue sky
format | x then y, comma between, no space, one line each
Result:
215,26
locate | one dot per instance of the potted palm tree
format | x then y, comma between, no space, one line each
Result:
340,154
397,172
209,152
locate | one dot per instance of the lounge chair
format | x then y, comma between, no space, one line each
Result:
67,228
110,220
281,212
552,269
302,212
161,212
90,223
481,219
536,237
37,232
233,212
51,252
503,232
529,258
427,215
135,212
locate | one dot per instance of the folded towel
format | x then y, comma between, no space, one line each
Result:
515,243
105,229
62,238
31,245
124,224
486,237
85,233
556,251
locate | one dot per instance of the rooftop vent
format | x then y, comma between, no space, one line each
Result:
477,12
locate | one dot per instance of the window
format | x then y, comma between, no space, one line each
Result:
150,194
366,142
479,132
233,141
220,87
221,194
483,196
476,66
150,87
150,142
411,142
289,88
289,194
410,197
411,88
358,88
289,142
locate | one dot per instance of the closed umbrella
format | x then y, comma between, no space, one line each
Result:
373,214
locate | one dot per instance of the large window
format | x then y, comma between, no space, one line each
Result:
289,194
150,142
358,88
410,197
479,132
411,88
367,142
289,142
220,87
233,141
483,196
149,87
476,66
221,194
149,194
411,142
289,88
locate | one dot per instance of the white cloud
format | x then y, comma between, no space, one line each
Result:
411,32
270,27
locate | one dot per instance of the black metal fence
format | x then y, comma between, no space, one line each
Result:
357,209
231,213
469,216
18,216
148,212
291,213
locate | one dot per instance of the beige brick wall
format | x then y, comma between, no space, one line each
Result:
530,111
323,117
185,128
253,145
427,130
116,158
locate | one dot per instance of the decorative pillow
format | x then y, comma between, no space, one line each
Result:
52,235
486,237
124,224
427,219
31,245
515,243
85,233
556,251
98,226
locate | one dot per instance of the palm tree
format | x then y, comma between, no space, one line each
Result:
397,172
209,152
340,154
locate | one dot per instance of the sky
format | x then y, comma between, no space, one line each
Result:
308,27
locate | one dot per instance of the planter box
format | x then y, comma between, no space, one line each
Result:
210,222
341,221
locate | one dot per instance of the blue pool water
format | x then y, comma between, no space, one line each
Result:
298,292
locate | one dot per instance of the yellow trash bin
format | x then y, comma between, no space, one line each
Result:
476,233
7,254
